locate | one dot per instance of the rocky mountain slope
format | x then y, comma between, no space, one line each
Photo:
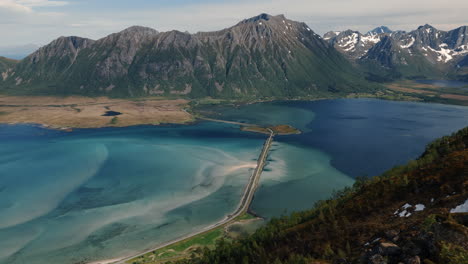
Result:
412,214
261,56
353,44
424,52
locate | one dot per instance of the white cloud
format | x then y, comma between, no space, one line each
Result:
320,15
14,6
41,3
26,6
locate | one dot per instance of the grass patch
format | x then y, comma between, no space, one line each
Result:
453,254
200,240
114,120
429,93
181,249
246,216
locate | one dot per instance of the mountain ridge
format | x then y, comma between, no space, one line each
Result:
423,52
263,56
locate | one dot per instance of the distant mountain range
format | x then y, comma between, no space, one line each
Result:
424,52
261,56
264,56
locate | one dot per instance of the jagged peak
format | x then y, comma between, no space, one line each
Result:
426,26
264,17
330,34
349,31
71,38
76,41
380,30
132,34
173,34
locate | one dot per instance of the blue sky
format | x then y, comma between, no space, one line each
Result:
40,21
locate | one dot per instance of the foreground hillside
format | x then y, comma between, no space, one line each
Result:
411,214
264,56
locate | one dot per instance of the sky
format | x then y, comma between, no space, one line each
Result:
37,22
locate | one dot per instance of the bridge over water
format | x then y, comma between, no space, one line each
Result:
244,203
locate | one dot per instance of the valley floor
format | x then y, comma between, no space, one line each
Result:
430,93
86,112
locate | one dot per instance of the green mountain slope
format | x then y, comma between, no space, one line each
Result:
404,216
6,64
262,56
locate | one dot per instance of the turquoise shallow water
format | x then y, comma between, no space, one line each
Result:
92,194
104,193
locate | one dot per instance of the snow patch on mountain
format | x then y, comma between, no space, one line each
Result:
445,54
409,45
373,38
462,208
349,43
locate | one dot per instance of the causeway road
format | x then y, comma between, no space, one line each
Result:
226,121
243,206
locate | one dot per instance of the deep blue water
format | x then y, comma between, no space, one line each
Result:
103,193
444,83
341,139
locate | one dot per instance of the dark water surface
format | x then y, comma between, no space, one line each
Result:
445,83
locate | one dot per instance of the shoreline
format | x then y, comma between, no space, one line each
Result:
71,129
76,112
195,119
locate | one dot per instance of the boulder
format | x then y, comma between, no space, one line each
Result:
387,248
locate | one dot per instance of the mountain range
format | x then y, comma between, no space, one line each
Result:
263,56
420,53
